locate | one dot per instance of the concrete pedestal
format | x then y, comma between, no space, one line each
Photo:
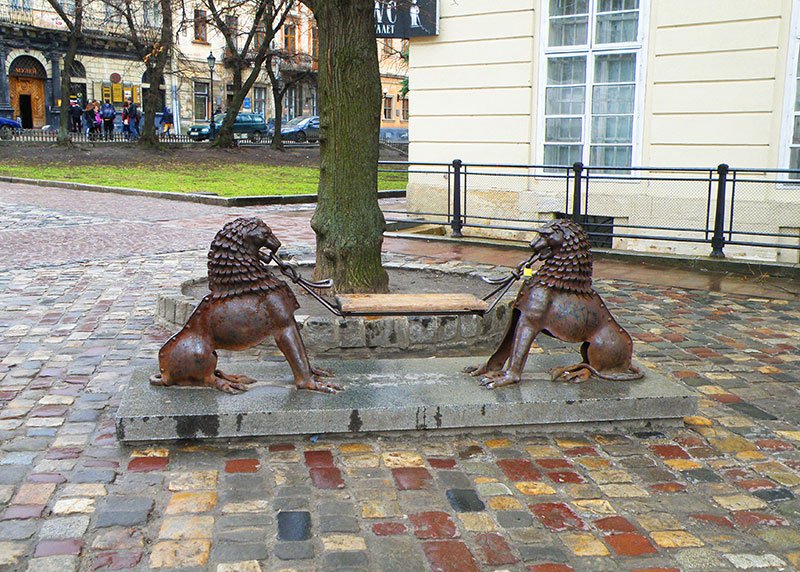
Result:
395,395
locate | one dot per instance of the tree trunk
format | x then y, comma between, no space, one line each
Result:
348,221
66,73
224,136
277,99
149,136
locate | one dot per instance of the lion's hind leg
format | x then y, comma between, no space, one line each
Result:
235,378
577,373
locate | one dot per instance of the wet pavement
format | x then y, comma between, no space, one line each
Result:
79,275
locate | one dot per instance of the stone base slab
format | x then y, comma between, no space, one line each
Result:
395,395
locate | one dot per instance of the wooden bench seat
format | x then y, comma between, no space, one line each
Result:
410,304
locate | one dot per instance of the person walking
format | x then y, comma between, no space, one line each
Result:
88,120
75,114
134,117
167,122
107,114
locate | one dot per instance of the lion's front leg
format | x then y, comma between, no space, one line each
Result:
499,358
291,345
524,335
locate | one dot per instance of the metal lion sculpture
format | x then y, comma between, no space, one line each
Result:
245,306
559,300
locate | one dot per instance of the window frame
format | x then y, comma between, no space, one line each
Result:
387,117
791,92
205,95
590,51
200,23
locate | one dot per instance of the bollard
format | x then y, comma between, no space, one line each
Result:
456,221
718,239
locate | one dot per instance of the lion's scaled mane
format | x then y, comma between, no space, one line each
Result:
570,267
234,267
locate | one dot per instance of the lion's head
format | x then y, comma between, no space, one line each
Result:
564,248
234,266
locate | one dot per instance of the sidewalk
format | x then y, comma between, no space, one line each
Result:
78,278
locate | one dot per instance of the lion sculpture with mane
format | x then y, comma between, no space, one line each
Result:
246,304
559,301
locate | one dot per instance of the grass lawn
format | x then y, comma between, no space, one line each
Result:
233,180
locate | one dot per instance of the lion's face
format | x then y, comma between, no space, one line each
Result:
549,240
261,236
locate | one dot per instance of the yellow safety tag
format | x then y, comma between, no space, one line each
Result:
527,272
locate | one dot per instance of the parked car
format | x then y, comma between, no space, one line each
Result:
7,128
301,129
247,126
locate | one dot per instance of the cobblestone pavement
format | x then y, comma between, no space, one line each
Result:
717,494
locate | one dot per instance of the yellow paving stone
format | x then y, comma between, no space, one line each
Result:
484,480
697,421
151,452
342,542
542,451
477,522
794,559
595,506
732,444
593,462
791,435
504,503
787,479
74,506
180,554
184,502
624,491
770,467
34,493
258,505
584,544
12,552
83,490
721,463
349,448
498,443
734,421
380,509
243,566
682,464
653,521
572,442
609,439
768,369
186,527
751,456
718,375
739,502
284,457
610,476
397,459
361,461
534,488
675,539
711,390
193,481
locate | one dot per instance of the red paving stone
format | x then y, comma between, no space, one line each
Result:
669,451
433,524
557,516
22,511
326,477
279,447
550,567
629,544
668,488
713,519
121,560
442,463
147,464
756,484
71,546
774,445
388,528
242,465
449,556
554,463
319,458
747,519
519,470
565,477
411,478
581,452
614,524
57,478
494,550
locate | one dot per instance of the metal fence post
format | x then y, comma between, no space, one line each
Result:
456,221
577,168
718,239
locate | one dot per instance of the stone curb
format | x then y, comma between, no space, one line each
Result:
732,265
187,197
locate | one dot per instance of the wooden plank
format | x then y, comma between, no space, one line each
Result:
410,303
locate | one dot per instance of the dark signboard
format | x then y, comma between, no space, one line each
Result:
406,18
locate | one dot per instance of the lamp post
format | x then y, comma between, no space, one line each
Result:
211,62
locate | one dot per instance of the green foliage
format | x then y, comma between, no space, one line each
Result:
225,180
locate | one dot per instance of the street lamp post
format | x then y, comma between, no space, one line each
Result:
211,61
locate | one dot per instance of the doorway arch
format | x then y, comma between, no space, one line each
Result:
26,76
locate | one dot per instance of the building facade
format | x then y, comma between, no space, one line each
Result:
614,83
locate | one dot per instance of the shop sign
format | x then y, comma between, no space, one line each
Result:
246,103
406,18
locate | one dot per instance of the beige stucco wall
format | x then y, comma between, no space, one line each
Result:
714,89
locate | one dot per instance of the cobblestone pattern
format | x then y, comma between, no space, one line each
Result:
718,494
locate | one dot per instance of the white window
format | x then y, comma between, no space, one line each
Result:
791,159
591,81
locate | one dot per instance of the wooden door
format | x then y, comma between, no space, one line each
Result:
33,87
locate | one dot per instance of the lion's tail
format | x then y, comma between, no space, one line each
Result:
633,373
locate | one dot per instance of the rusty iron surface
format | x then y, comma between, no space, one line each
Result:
246,304
559,300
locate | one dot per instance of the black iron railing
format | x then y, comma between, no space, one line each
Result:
718,206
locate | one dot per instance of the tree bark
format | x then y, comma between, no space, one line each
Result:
66,73
277,99
348,221
156,63
224,135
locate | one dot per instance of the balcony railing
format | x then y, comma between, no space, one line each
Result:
19,12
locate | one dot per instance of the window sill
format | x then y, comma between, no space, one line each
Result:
201,42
